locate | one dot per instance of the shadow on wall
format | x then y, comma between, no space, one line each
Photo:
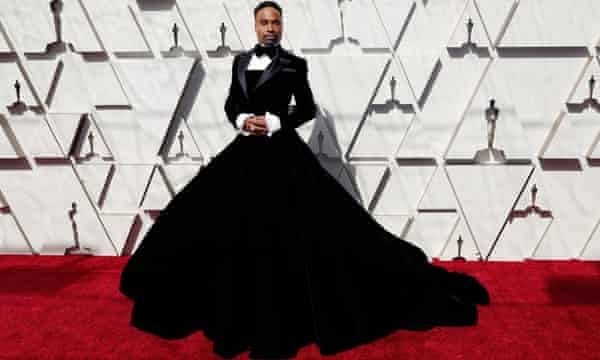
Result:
333,164
155,5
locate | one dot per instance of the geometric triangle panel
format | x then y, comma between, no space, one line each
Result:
528,222
61,83
13,80
54,221
470,30
431,231
126,186
512,81
573,197
133,137
554,23
157,194
496,15
402,189
31,134
30,25
592,249
210,25
343,86
316,25
394,17
486,195
12,240
362,23
445,102
164,27
123,229
575,136
460,245
126,38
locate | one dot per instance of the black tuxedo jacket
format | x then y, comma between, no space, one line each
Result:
287,74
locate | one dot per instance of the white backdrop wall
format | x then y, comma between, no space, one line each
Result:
96,147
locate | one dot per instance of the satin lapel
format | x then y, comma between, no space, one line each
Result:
241,71
272,69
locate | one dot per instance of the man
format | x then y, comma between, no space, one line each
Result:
263,109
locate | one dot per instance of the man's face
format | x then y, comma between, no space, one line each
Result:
268,26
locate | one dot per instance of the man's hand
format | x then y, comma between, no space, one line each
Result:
257,125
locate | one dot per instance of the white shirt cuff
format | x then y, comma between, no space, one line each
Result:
239,122
273,123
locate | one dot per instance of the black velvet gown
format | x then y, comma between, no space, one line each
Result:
263,250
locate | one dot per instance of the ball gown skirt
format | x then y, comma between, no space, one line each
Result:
263,250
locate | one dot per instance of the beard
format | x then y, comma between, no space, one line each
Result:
270,42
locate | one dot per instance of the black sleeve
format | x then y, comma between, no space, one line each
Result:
232,103
305,108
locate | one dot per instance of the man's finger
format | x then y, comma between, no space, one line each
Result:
257,126
260,131
261,119
259,122
250,125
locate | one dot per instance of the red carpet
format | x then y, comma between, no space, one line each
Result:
55,307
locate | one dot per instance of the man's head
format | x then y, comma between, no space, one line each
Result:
268,22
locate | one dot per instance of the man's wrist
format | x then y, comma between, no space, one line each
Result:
273,122
239,122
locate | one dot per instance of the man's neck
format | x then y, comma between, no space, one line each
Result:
268,44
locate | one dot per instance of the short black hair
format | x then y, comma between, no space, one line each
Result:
264,4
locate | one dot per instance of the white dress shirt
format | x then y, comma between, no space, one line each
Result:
273,122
